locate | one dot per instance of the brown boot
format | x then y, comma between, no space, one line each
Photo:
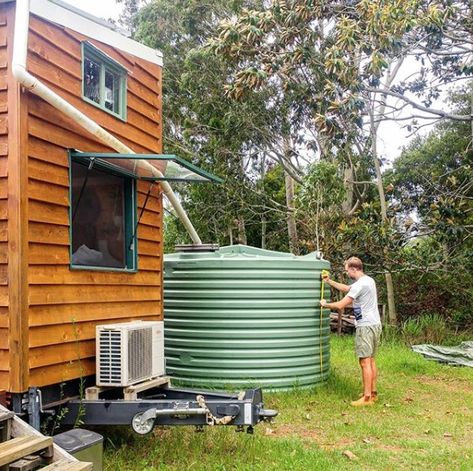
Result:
363,401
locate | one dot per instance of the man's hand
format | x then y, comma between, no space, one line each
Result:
323,303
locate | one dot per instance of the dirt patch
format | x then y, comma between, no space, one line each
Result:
447,383
312,436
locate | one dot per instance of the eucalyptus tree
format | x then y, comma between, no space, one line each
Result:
238,140
346,57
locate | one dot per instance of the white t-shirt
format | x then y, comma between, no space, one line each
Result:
365,301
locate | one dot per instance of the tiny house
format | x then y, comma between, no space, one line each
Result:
80,236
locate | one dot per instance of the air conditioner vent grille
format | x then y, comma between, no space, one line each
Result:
140,354
109,358
129,353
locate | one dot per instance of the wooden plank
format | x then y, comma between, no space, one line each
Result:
19,447
43,233
146,247
4,296
21,428
3,162
145,262
48,152
4,359
3,124
4,318
53,294
3,97
149,233
76,138
62,275
53,374
44,254
126,60
3,274
4,345
3,231
48,172
67,465
67,334
56,35
4,252
100,313
17,225
51,52
60,353
49,213
3,188
5,380
58,75
47,192
123,130
131,392
3,210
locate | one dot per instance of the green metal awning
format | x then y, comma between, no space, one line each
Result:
151,167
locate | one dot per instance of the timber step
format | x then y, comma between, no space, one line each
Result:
66,465
16,448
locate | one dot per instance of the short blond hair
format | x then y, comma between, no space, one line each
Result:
354,262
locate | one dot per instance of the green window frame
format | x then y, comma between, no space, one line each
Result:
78,188
104,82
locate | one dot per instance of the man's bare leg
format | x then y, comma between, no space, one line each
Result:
367,376
374,371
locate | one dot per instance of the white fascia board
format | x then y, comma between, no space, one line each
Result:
61,15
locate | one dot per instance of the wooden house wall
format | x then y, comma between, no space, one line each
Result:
4,298
64,305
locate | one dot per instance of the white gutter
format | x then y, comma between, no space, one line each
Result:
20,51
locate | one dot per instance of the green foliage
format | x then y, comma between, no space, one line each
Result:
428,328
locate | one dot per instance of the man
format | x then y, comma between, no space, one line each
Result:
363,296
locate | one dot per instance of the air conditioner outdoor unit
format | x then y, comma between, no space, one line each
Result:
129,353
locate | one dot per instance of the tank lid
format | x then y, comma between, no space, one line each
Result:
193,248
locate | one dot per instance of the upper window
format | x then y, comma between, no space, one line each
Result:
103,81
102,219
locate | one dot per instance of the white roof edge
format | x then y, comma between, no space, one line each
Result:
92,27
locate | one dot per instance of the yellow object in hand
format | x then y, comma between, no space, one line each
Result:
324,273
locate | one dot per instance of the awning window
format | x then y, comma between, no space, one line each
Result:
151,167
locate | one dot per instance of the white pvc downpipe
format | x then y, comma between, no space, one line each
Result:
20,51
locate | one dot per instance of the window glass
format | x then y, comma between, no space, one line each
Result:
104,81
99,218
92,80
112,91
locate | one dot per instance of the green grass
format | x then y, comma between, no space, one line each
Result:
423,420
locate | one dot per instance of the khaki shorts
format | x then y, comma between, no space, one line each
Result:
367,340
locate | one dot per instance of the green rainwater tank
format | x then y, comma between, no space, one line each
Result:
243,316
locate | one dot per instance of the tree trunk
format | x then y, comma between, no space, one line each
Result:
230,234
241,231
349,177
263,231
291,220
392,314
290,217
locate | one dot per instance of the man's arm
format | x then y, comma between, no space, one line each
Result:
346,301
340,286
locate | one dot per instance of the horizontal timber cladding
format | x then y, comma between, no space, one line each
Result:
65,305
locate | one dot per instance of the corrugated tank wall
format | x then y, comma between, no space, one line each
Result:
243,316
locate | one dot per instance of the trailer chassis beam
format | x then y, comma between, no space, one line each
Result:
163,406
